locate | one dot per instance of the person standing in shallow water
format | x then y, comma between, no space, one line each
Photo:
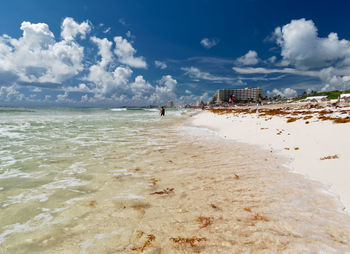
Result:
162,111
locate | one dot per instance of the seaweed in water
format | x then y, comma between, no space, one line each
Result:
92,203
191,241
154,181
165,191
205,221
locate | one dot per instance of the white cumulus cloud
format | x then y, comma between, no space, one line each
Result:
165,91
302,47
160,64
251,58
209,43
125,52
286,92
70,29
37,57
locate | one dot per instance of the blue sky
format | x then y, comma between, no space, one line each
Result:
116,53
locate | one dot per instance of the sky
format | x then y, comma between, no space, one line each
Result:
113,53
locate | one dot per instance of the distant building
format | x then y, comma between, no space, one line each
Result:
170,104
245,94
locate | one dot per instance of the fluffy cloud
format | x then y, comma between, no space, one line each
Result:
333,81
107,82
9,93
125,52
165,91
104,50
160,64
36,57
209,43
141,89
70,29
286,92
251,58
302,47
37,60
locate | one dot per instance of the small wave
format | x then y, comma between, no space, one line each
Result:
118,109
38,222
152,109
14,173
64,183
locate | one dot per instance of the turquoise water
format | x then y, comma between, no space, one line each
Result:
129,181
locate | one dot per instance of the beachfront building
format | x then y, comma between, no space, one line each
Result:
170,104
244,95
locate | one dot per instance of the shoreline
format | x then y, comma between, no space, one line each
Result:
308,136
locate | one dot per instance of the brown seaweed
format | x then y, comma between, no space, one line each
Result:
329,157
150,238
166,191
205,221
191,241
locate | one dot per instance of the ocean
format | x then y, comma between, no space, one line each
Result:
129,181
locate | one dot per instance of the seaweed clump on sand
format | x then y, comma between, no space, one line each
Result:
329,157
149,239
166,191
205,221
191,241
214,206
292,119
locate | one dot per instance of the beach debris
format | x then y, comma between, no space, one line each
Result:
214,206
307,122
342,120
307,117
247,209
191,241
236,176
292,119
260,217
154,181
140,206
166,191
205,221
93,203
296,148
309,110
149,239
286,148
329,157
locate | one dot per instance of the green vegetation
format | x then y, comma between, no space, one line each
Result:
14,110
330,94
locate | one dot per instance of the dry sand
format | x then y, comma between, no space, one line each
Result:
315,138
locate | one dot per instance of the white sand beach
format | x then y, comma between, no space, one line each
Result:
316,146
